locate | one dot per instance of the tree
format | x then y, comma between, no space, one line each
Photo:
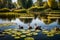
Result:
18,2
6,3
29,3
15,5
9,3
59,0
22,3
59,4
39,2
52,4
0,3
25,3
45,5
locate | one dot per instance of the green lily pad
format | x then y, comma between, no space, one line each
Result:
23,35
34,33
29,38
29,34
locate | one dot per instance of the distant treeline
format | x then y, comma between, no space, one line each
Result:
25,4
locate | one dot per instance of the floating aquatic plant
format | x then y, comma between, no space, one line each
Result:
29,38
23,35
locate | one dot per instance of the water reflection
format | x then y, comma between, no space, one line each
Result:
32,23
4,21
40,35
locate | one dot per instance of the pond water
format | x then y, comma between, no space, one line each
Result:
32,22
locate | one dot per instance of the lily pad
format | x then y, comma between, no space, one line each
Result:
34,33
23,35
16,37
29,34
29,38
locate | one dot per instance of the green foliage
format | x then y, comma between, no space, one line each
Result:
39,2
25,3
45,5
29,3
6,4
59,0
59,5
22,3
52,4
1,4
19,3
14,5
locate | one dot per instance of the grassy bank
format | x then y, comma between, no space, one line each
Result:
9,15
14,15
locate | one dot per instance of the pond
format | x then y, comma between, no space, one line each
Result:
25,22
